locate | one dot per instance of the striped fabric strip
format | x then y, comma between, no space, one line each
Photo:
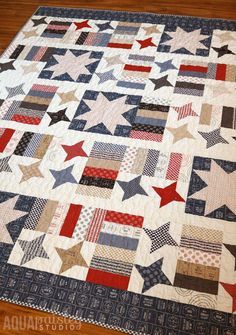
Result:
96,225
201,245
112,266
117,241
127,84
142,135
33,145
44,88
174,166
35,213
108,151
38,56
100,173
124,218
151,163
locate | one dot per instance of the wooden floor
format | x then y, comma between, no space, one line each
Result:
13,14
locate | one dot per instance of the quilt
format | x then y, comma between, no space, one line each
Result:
118,170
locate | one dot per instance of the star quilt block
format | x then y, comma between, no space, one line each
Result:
71,65
94,111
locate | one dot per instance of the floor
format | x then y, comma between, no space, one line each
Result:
13,14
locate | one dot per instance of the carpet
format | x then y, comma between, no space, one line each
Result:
117,170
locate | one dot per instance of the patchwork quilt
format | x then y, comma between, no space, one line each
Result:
118,170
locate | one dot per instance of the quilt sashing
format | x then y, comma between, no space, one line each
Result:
118,170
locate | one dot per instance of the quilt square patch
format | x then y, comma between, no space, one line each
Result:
115,236
56,29
106,113
197,39
199,259
101,170
32,108
71,65
208,195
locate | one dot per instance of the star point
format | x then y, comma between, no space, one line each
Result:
38,22
218,90
165,66
66,97
113,60
31,68
152,275
146,43
75,150
213,137
14,91
7,66
31,33
30,171
190,41
83,24
104,26
224,50
180,133
70,64
160,237
132,188
33,249
71,257
168,194
232,249
151,30
185,110
226,36
58,116
231,290
106,76
4,164
63,176
160,82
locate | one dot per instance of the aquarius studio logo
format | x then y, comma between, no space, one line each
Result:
55,323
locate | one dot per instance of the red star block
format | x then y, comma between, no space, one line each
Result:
83,24
231,289
146,43
74,150
168,194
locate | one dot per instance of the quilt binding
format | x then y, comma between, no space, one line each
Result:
17,302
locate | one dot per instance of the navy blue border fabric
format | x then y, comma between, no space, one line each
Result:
181,21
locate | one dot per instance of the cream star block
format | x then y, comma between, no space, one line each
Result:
220,189
191,41
110,113
71,64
